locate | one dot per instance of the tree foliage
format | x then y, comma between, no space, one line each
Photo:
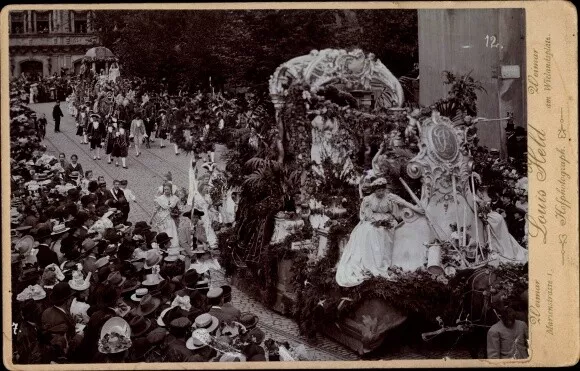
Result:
244,47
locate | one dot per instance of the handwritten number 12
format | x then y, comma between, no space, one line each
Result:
491,42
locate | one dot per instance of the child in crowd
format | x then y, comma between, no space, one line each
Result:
128,193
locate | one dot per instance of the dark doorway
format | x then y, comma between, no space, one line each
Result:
31,68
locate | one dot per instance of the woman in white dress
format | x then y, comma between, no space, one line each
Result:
114,72
162,219
369,250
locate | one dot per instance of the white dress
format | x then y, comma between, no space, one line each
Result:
369,249
163,220
113,74
503,242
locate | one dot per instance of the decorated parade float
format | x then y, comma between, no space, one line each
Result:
94,84
358,213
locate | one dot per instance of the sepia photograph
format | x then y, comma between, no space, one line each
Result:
267,185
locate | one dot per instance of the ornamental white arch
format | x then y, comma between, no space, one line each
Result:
351,70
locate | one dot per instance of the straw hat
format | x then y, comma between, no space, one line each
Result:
59,229
199,339
152,280
173,254
24,245
139,294
206,321
115,336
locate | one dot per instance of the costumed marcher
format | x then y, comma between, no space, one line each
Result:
162,127
137,133
162,219
96,134
121,145
110,138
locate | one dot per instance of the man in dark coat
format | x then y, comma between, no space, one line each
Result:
119,200
45,255
56,115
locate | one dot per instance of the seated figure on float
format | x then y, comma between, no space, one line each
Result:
369,250
446,197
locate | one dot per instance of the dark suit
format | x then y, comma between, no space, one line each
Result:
46,256
120,202
56,115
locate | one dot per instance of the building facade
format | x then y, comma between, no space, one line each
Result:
490,44
49,42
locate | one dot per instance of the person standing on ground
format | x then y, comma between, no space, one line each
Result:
508,338
42,126
56,115
96,135
137,132
121,146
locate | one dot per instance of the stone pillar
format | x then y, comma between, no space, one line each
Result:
45,66
279,102
28,25
89,22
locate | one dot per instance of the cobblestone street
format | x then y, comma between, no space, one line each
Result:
145,174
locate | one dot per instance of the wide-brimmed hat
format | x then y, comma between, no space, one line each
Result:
147,305
215,293
162,238
199,339
141,226
115,279
173,254
206,321
115,336
139,325
59,229
152,280
257,333
60,293
88,245
78,282
95,115
34,292
101,262
25,245
139,294
152,258
129,285
169,314
49,279
248,320
190,279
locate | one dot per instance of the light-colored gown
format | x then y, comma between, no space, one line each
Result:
163,220
369,249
